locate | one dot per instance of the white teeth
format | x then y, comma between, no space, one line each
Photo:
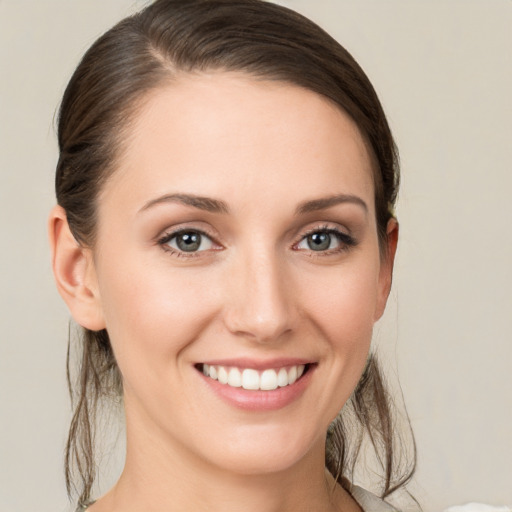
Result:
268,380
222,375
252,379
234,378
292,375
282,378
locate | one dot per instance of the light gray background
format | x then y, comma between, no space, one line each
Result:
443,72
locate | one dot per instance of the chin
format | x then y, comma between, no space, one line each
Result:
264,449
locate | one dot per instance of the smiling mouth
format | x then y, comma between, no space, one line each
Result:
254,380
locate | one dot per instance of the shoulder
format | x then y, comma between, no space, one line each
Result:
369,502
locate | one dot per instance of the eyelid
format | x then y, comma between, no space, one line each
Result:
346,239
163,240
324,227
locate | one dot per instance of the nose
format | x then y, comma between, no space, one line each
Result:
260,306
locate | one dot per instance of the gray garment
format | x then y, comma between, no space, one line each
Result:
369,502
366,500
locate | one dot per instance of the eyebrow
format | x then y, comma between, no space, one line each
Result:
327,202
202,203
218,206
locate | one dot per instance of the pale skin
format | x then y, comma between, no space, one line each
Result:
265,153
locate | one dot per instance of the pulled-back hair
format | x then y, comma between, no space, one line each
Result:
149,49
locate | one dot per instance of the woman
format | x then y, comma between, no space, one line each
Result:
225,236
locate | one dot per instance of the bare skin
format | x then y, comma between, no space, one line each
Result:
231,495
283,168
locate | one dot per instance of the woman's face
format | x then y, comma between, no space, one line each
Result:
237,238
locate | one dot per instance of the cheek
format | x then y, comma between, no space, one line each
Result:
151,316
342,309
343,302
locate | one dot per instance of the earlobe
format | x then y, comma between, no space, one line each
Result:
386,268
74,273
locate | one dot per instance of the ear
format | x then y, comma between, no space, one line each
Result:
386,267
73,268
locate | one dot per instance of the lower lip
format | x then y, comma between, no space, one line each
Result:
258,400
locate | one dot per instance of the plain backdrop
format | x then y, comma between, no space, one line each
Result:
443,72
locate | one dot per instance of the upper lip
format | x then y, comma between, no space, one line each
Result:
258,364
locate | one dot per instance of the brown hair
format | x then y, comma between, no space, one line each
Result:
138,55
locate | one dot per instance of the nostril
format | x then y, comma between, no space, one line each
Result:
262,310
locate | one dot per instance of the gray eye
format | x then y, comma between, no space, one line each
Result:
319,241
190,241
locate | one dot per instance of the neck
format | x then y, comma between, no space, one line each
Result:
171,483
162,476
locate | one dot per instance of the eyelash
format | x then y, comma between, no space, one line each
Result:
167,237
345,240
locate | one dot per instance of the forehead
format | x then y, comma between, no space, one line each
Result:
232,136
